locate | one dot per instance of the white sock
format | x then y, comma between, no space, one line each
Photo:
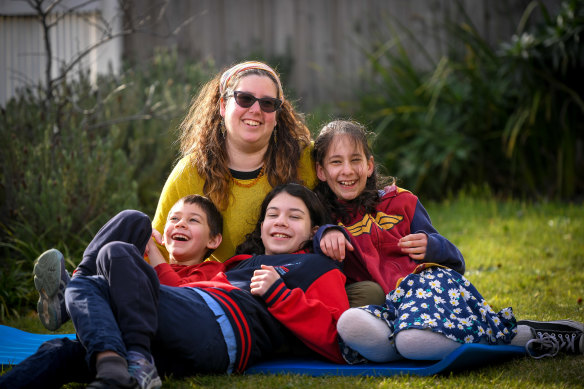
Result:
428,345
524,334
424,345
367,334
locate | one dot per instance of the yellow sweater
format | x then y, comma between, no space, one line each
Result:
240,216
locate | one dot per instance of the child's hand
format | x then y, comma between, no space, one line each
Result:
157,236
333,244
414,245
263,279
152,252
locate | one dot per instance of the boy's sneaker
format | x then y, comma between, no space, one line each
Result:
552,337
143,370
50,280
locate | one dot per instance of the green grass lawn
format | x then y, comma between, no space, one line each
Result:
529,257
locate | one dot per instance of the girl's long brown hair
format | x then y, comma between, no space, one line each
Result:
201,138
367,200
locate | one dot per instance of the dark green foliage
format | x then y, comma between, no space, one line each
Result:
15,288
512,117
544,135
70,162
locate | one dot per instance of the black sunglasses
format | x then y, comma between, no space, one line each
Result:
246,100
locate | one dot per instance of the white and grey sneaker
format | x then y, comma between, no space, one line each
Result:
50,280
143,370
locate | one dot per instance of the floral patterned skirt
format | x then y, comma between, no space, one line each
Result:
442,300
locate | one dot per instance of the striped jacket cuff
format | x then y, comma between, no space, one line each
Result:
277,292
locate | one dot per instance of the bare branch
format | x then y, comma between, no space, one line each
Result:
71,11
51,12
82,54
51,6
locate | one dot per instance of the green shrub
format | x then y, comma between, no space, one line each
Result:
74,160
511,117
544,135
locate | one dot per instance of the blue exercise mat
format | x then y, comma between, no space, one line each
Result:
16,345
465,357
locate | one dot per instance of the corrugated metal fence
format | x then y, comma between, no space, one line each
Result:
23,57
23,54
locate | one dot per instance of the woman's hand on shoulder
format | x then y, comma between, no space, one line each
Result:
263,279
414,245
334,244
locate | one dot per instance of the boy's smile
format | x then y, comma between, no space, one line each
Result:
187,235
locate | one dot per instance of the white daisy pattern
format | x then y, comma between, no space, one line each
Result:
507,313
457,311
436,285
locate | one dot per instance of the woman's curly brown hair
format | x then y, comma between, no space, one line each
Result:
201,138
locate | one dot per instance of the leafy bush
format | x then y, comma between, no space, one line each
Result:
74,160
511,117
544,135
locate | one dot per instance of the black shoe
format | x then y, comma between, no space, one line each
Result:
552,337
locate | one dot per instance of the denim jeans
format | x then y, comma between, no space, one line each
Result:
118,312
128,226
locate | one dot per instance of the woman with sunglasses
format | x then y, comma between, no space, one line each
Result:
240,138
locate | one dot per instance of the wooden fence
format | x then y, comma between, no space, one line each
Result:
318,45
